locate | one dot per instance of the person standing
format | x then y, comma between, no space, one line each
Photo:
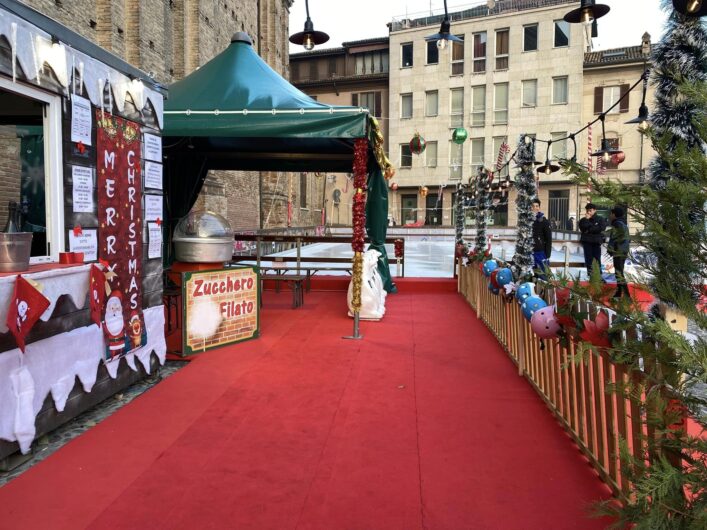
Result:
569,224
592,227
618,248
542,239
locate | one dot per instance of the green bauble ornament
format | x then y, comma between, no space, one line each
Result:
418,144
459,135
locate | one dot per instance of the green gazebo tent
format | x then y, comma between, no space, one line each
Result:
237,113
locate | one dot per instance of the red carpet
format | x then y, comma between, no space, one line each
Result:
423,424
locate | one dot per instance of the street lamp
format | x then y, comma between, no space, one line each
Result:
586,13
606,150
443,36
309,38
643,118
548,167
691,8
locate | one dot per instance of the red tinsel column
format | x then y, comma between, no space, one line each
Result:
360,165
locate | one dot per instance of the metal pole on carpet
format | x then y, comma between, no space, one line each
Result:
356,328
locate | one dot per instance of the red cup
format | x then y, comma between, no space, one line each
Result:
77,257
65,257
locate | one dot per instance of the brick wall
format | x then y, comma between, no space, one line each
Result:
10,171
171,38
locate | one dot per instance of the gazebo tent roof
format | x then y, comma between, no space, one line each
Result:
240,114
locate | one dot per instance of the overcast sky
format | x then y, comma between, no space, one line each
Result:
346,20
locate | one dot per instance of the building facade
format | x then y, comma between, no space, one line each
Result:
517,71
354,74
607,75
169,39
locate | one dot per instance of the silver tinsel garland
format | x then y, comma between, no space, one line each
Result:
526,190
482,208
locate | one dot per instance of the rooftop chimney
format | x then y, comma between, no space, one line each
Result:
646,44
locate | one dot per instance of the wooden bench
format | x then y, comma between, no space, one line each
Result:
293,281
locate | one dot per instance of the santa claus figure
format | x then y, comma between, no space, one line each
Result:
22,309
114,326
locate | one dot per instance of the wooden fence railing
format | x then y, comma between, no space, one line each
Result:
574,391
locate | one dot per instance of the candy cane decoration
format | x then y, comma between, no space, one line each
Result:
589,155
502,155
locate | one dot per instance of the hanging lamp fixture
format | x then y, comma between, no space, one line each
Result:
606,151
587,13
309,37
691,8
549,166
443,36
643,119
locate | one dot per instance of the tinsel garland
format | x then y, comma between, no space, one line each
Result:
522,266
460,218
482,207
360,164
379,150
398,243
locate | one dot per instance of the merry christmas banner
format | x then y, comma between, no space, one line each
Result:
120,232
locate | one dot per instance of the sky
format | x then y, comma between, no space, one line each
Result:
346,21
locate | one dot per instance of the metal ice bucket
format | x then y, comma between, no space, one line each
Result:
15,250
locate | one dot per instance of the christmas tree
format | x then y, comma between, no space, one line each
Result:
482,207
526,191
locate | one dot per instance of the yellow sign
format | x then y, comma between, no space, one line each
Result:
220,308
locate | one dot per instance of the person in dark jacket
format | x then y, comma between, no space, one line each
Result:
618,248
592,227
569,224
542,239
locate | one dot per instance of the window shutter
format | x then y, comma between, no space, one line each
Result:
354,100
623,106
379,104
598,99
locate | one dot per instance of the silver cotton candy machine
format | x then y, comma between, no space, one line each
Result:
203,237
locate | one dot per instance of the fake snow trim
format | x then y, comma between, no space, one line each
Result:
55,283
51,366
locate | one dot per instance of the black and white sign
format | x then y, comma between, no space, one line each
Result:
153,175
83,189
86,242
81,120
153,148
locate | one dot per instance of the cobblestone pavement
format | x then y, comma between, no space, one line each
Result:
49,443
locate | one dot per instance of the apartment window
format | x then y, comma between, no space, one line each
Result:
406,53
431,154
369,100
405,155
458,56
500,104
498,141
478,145
478,106
432,52
303,190
530,38
562,33
559,147
606,97
408,208
431,103
456,107
371,62
502,49
406,106
479,52
530,92
456,160
559,90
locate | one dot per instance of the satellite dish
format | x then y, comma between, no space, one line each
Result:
336,195
491,4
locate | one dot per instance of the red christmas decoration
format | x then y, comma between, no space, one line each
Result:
26,307
618,158
77,231
596,332
360,163
394,186
493,280
562,296
418,144
398,243
97,294
158,221
80,147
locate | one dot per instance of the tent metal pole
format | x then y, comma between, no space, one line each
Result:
356,328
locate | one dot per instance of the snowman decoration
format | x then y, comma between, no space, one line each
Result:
114,326
22,309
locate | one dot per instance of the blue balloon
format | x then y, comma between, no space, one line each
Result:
524,291
494,290
489,267
504,277
532,304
